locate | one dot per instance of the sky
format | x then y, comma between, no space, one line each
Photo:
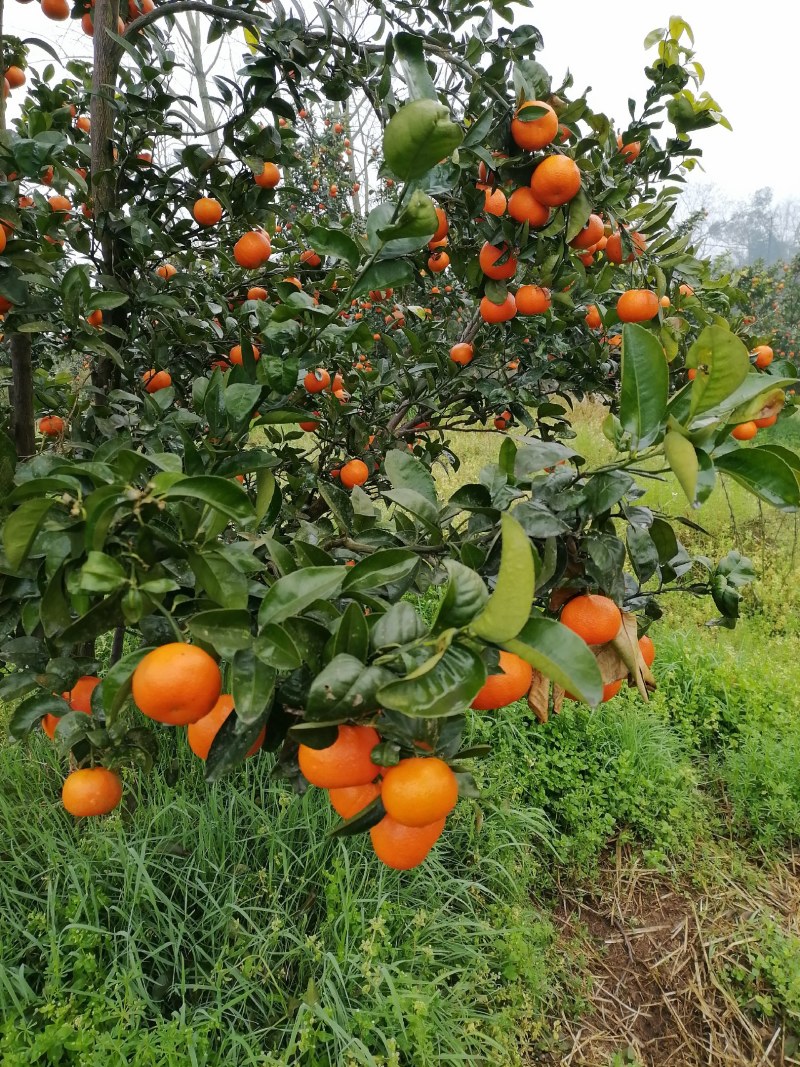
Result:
749,53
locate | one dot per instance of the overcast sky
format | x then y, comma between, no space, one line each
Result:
749,52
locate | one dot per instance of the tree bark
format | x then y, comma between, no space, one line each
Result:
22,413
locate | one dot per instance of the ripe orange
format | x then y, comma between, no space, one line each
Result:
503,421
686,290
613,247
79,698
349,800
166,271
310,425
630,151
664,301
344,763
488,257
438,261
207,211
235,354
443,228
691,373
610,690
637,305
83,123
556,180
770,420
745,431
316,380
95,318
92,790
252,250
355,472
491,312
176,684
257,293
419,790
590,234
494,202
59,203
532,299
462,353
403,847
51,425
310,258
536,133
269,177
764,356
524,207
647,649
15,76
596,619
201,734
512,683
57,10
155,380
592,317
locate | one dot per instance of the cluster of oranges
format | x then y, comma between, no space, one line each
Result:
61,10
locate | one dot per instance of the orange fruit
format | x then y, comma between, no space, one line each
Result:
166,271
235,354
488,257
201,734
592,317
494,202
595,618
443,228
51,426
590,234
349,800
252,250
95,318
355,472
57,10
630,151
310,258
556,180
524,207
92,790
537,132
316,380
310,425
269,177
438,261
692,373
346,762
664,301
745,431
60,204
83,123
462,353
257,293
532,299
637,305
15,76
647,649
764,356
770,420
176,684
155,380
610,690
613,249
512,683
79,698
491,312
207,211
686,290
403,847
419,790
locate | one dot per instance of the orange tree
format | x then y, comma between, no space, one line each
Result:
238,421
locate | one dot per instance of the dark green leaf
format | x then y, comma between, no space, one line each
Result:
560,655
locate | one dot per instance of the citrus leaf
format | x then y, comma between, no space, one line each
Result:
509,606
560,655
644,386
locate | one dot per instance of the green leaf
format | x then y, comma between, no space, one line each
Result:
419,136
115,688
560,655
241,400
380,569
580,208
384,274
644,386
352,635
21,528
405,471
252,685
233,741
443,685
344,689
509,606
106,301
764,474
417,504
277,649
408,49
219,493
683,462
293,593
32,710
336,243
722,363
418,219
400,626
226,631
466,595
101,574
223,582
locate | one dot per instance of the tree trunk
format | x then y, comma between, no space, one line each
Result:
22,414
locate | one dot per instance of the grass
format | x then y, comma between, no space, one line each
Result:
221,925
